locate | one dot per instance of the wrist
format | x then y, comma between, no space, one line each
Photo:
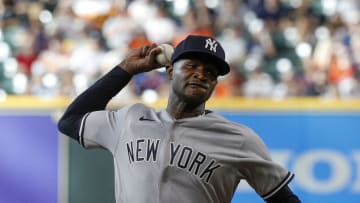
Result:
120,70
126,67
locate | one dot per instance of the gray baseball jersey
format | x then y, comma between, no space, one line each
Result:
158,159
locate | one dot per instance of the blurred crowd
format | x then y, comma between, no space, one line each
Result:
277,48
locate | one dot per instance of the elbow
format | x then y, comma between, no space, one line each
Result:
70,126
61,126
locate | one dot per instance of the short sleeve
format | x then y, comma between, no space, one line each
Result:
262,174
101,129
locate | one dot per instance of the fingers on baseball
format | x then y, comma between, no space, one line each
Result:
154,52
144,50
147,49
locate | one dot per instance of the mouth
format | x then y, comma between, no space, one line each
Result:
197,85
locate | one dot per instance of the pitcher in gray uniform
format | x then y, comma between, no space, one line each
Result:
184,153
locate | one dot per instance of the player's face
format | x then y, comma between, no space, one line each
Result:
193,80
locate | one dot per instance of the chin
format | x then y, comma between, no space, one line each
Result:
196,99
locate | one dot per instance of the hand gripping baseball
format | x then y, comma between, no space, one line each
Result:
142,59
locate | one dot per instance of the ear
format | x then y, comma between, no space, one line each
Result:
169,71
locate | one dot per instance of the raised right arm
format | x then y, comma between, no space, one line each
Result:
97,96
94,98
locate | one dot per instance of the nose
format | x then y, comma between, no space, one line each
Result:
200,73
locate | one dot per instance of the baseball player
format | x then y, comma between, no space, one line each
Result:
181,154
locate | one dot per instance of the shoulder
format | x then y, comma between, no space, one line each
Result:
133,108
138,107
247,136
135,111
225,124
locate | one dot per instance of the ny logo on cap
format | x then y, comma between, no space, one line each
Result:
211,45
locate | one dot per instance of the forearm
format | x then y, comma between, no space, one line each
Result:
94,98
99,94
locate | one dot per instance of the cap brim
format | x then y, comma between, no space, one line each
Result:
221,65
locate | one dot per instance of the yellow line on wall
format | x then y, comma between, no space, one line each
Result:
30,102
238,103
303,103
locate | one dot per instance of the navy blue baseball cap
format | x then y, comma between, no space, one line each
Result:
196,45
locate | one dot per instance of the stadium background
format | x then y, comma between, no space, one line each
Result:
295,80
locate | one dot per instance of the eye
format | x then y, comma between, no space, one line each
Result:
191,65
212,72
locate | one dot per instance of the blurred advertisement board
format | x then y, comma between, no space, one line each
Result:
321,148
28,159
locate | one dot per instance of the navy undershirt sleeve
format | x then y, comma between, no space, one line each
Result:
94,98
284,195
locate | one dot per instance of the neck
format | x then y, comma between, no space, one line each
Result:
182,109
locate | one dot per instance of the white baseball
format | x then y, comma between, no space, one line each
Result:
164,57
